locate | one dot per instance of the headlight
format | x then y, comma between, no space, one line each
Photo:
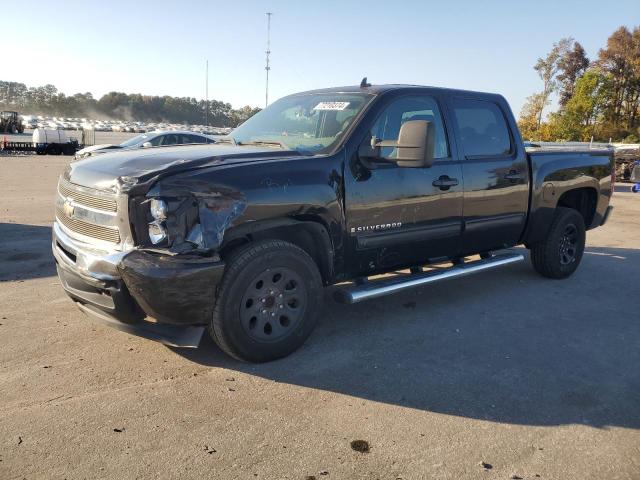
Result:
157,228
157,232
158,209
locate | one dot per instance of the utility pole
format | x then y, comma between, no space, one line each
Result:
206,94
268,52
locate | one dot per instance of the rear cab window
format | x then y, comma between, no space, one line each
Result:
482,128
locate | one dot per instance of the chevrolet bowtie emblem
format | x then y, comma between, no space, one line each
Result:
68,208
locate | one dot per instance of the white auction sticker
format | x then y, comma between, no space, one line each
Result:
331,106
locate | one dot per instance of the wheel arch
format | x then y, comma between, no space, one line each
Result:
584,200
310,235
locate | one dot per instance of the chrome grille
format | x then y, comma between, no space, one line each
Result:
90,200
89,213
99,232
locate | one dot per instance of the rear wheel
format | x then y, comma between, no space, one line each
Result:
69,149
53,149
268,301
560,253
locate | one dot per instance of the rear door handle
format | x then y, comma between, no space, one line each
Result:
445,182
513,176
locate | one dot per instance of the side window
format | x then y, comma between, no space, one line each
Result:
482,128
387,125
196,139
170,139
155,141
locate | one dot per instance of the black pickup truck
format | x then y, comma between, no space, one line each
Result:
327,187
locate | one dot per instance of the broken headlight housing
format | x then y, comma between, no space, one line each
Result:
172,217
172,222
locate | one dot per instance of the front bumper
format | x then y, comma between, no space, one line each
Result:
161,297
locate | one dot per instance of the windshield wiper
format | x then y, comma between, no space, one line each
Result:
266,143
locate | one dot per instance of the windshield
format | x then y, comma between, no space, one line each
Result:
311,123
137,140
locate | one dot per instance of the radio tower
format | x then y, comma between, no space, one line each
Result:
268,52
206,94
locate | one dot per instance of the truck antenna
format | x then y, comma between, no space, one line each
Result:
364,84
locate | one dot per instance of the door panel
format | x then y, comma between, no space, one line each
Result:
397,206
396,216
496,176
494,207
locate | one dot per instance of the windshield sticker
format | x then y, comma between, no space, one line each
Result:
331,106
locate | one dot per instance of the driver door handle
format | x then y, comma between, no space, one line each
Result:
445,182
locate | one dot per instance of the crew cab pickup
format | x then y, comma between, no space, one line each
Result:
323,188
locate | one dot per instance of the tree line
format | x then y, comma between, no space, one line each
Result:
47,100
597,99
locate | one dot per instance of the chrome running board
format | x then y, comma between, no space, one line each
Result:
357,292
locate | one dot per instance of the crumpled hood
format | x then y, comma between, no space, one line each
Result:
120,171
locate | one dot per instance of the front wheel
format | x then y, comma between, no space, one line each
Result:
560,253
268,301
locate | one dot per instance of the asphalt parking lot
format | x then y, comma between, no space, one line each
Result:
536,378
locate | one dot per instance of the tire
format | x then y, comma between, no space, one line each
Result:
69,149
267,303
53,149
560,253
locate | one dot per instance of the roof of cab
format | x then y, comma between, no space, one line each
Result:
378,89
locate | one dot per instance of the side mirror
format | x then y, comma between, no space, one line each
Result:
146,145
414,149
416,144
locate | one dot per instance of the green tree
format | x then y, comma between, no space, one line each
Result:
621,59
579,120
547,69
571,66
529,122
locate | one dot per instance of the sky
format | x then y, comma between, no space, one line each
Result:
160,47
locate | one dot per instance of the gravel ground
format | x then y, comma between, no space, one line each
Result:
535,378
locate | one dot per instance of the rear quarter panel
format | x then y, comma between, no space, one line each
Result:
555,173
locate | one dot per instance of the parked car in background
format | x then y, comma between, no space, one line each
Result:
29,122
151,139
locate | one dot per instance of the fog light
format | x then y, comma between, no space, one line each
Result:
157,232
158,209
